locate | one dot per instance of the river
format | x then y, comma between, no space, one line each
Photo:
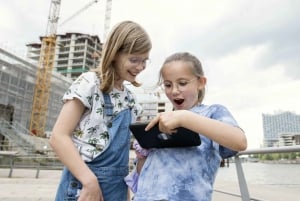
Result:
264,173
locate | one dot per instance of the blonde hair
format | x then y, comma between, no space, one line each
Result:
196,68
126,37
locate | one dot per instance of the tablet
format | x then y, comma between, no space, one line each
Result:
156,139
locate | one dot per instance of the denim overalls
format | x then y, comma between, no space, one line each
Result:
111,166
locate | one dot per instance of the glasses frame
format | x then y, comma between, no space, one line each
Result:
136,61
178,85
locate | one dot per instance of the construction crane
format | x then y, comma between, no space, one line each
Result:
79,11
44,73
45,67
107,17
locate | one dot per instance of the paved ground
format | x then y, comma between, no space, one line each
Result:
24,186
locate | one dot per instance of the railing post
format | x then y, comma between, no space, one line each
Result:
38,169
11,164
242,181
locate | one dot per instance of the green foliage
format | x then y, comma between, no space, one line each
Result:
278,156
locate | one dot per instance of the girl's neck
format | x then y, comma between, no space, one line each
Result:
118,87
118,84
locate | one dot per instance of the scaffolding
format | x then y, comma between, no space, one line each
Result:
17,83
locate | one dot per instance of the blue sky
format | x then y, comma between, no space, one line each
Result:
249,49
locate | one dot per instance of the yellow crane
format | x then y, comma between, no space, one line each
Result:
44,73
45,67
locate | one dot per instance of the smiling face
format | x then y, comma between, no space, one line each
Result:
128,66
181,85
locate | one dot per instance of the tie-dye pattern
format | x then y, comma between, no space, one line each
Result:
184,174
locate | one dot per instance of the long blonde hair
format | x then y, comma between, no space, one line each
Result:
126,37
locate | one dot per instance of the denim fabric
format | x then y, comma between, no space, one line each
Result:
110,167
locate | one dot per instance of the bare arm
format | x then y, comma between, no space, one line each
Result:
63,146
222,133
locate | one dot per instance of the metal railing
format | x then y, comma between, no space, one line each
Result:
35,162
240,173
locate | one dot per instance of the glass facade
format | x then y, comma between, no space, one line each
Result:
277,125
17,83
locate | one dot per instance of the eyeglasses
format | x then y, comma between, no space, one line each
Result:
138,61
180,85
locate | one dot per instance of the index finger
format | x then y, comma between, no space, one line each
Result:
152,123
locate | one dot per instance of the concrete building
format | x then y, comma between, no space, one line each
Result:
74,53
152,99
17,83
151,108
280,129
289,139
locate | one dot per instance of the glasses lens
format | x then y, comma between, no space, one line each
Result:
137,61
180,85
147,62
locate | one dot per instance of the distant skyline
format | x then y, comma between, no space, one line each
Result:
278,124
249,49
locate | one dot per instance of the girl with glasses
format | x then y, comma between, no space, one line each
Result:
186,174
91,135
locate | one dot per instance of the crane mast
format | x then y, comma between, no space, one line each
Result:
46,63
107,17
44,73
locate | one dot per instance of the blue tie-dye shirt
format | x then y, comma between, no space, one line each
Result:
185,174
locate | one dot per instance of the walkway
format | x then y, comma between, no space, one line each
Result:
24,186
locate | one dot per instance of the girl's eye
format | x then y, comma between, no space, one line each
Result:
182,83
167,85
134,60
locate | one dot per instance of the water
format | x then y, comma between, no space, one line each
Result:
287,175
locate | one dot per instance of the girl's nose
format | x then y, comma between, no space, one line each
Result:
141,66
175,89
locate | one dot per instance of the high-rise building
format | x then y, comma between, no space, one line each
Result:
280,128
75,53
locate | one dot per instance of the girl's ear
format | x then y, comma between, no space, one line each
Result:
202,82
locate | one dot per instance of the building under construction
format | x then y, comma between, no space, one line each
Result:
17,77
31,89
17,85
75,53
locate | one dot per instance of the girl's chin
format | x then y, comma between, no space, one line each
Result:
130,79
178,107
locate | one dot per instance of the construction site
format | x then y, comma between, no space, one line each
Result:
32,88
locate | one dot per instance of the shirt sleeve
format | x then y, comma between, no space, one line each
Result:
140,151
222,114
83,89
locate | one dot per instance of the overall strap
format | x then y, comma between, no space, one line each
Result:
108,106
108,110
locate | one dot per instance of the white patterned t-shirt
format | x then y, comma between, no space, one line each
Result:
91,135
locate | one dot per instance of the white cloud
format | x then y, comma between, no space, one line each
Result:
249,49
248,91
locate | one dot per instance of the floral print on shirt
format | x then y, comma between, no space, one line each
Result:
91,135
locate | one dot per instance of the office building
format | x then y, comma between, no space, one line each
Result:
280,128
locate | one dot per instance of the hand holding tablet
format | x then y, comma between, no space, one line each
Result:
154,138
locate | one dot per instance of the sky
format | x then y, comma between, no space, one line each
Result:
249,49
